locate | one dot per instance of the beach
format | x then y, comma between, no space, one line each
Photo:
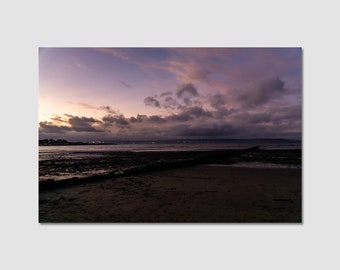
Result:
202,194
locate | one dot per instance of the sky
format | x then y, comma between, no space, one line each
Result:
88,94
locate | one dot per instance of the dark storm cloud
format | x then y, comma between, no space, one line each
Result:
186,92
187,95
271,117
287,115
222,112
77,124
83,124
208,131
138,119
167,93
49,127
169,99
189,122
190,113
196,112
187,89
217,100
261,92
185,114
108,109
156,119
179,117
253,118
260,118
170,103
291,112
58,119
133,120
119,120
269,122
109,119
193,120
151,101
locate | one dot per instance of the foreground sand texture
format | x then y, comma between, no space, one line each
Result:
195,194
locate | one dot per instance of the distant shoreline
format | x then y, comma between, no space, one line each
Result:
61,142
259,141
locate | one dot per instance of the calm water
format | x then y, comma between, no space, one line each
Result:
81,151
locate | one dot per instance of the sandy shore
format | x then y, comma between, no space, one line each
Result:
196,194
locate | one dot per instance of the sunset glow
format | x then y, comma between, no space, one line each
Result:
170,93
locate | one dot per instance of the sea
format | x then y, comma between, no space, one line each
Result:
81,161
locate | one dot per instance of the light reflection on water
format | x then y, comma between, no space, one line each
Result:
262,165
83,151
62,162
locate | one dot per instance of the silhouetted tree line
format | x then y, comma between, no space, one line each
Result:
58,142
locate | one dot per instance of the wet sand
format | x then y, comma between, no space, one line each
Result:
200,194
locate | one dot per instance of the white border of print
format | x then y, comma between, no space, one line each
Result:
33,24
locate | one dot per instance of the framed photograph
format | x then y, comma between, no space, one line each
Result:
170,135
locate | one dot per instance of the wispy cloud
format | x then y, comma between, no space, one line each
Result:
87,106
49,127
82,66
123,54
263,91
126,84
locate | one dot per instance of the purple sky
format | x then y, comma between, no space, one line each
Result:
170,93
